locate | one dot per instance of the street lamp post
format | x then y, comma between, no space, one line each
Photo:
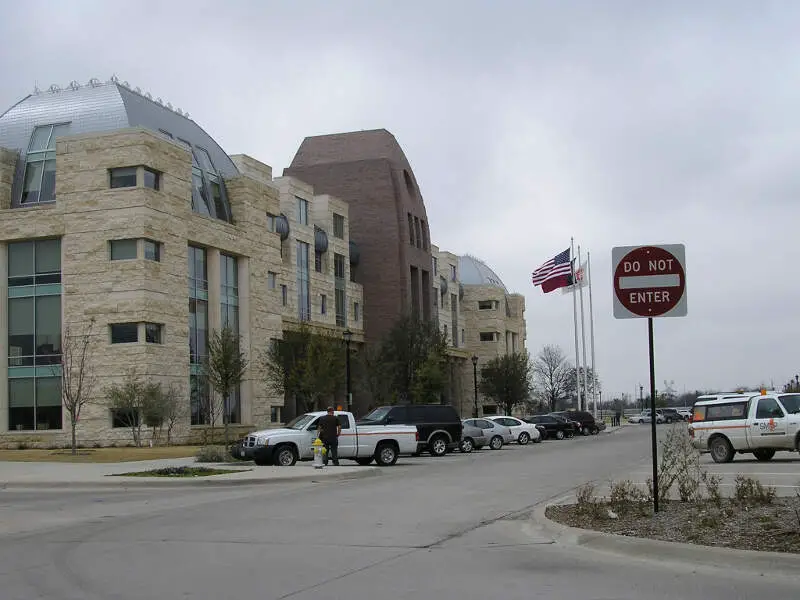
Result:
475,380
641,396
347,335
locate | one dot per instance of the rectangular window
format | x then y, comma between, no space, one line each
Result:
435,266
463,337
318,261
152,179
323,304
356,312
123,249
410,229
340,290
152,250
34,331
34,263
487,336
424,235
272,279
198,272
200,400
485,305
124,333
303,282
302,211
124,418
453,273
340,302
338,226
34,403
154,333
270,223
275,414
284,295
39,182
418,232
122,178
229,295
338,266
198,328
454,318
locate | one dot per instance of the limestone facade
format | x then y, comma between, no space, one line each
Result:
98,292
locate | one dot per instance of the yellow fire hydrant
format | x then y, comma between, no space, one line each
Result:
319,453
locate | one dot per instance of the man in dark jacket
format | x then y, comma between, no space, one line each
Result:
328,431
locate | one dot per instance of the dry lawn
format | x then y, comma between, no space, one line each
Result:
98,455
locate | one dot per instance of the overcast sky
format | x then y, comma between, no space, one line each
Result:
618,123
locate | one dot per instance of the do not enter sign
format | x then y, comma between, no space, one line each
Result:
649,281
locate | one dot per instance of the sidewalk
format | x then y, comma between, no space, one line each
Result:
93,475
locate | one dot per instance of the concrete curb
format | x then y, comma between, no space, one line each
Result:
688,555
119,482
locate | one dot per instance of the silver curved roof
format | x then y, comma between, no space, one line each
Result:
99,107
473,271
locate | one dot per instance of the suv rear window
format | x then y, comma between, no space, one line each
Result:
720,412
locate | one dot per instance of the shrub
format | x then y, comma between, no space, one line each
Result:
213,454
625,495
680,464
711,483
751,491
588,504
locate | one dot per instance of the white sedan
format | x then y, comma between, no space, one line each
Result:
523,432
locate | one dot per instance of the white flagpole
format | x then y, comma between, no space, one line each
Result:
583,341
591,330
575,319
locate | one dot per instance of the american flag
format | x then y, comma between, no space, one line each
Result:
555,273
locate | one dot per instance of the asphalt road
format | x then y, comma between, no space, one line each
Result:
441,529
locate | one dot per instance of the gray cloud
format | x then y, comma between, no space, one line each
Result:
526,123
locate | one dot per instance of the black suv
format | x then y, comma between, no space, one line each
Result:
586,420
439,425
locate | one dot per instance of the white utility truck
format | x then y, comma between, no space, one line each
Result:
361,443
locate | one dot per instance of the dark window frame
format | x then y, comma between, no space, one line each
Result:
116,172
120,329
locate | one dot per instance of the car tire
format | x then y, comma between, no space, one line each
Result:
385,454
365,461
437,446
721,450
560,434
467,445
585,431
763,454
496,443
524,438
595,430
285,456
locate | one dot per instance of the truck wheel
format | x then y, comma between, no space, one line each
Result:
285,456
763,454
721,450
438,446
560,434
466,445
385,454
365,461
524,438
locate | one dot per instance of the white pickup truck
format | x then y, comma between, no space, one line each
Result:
761,424
362,443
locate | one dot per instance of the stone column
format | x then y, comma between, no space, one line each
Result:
249,345
3,338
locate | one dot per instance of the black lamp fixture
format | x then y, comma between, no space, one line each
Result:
347,336
475,380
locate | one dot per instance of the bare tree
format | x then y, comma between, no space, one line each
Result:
551,375
225,368
127,401
507,380
78,378
174,409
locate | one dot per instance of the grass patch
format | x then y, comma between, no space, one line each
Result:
180,472
98,455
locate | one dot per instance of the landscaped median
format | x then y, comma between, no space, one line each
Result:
98,455
692,511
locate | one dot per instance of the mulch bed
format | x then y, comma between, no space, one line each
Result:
774,527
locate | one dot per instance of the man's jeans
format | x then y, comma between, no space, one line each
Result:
332,452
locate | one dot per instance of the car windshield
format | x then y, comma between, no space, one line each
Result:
791,402
378,414
300,422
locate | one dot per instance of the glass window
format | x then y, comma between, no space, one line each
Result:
21,331
39,182
487,336
34,404
338,226
123,249
229,275
452,273
791,402
323,304
124,333
275,414
153,333
152,250
303,282
424,235
205,160
198,330
124,418
124,177
198,272
216,198
356,311
318,261
284,295
338,266
48,330
199,196
34,262
271,222
768,408
417,230
435,265
340,304
152,179
272,279
199,399
485,305
302,211
410,229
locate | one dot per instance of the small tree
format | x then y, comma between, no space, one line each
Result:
127,402
225,367
429,380
305,364
78,378
551,376
174,409
507,380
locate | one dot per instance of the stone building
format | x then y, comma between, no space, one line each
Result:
121,217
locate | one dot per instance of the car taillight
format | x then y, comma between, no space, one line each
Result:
416,436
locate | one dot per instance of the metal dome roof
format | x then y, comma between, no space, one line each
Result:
473,271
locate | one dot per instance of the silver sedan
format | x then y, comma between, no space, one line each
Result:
494,432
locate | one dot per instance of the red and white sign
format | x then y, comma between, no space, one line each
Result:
649,281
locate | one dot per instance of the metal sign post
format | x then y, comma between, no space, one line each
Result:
649,282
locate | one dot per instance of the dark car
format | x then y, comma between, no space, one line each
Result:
554,427
585,419
671,415
439,425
